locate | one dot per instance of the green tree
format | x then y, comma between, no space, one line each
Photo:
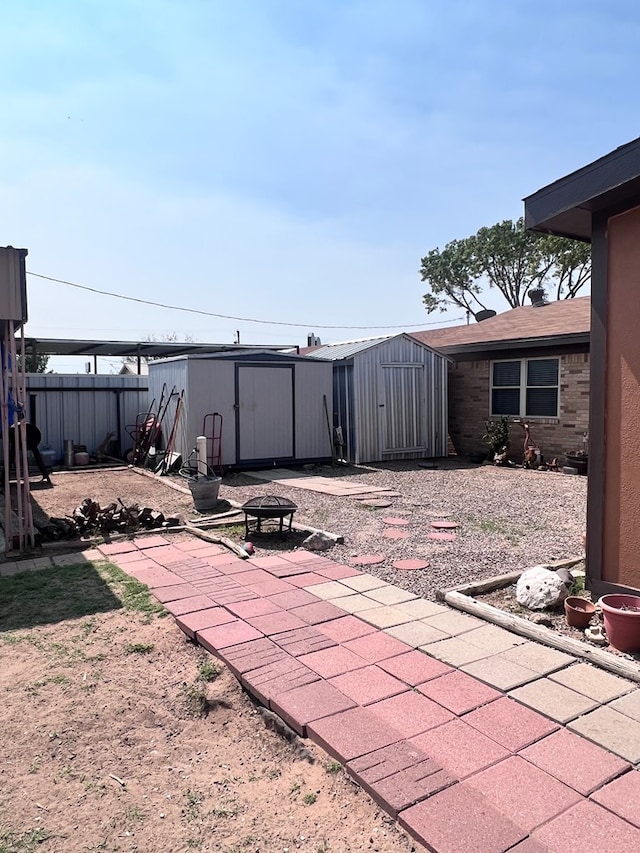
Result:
507,258
35,362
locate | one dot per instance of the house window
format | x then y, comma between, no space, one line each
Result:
525,388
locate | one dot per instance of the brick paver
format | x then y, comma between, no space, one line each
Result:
459,820
529,795
611,729
556,701
622,797
313,701
587,826
367,685
462,766
575,761
593,682
460,749
510,724
459,692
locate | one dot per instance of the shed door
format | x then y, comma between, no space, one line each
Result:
264,407
402,414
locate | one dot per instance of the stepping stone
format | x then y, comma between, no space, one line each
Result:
458,692
353,733
510,724
376,647
336,572
612,730
389,594
528,795
368,685
319,611
443,745
377,503
302,705
363,582
193,604
593,682
622,797
344,629
192,622
459,819
578,763
411,712
395,533
445,525
400,522
368,560
302,641
587,826
333,661
414,667
410,565
441,537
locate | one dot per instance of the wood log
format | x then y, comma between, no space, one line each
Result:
618,665
217,540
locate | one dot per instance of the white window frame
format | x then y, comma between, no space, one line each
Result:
523,388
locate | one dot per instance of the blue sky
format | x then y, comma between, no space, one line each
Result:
287,160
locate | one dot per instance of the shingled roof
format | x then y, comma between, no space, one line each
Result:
561,322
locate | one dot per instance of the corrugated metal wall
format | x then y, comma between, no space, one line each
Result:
313,384
343,406
171,374
212,388
379,413
84,408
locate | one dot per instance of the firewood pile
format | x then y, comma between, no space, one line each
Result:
90,518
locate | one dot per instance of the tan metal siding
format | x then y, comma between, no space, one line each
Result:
212,389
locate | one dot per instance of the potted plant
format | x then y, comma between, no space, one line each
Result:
497,437
622,621
578,611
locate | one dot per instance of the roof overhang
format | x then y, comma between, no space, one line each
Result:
551,341
566,207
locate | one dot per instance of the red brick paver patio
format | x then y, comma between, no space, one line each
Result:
460,765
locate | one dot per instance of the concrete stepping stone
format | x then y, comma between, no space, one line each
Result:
173,593
383,616
442,537
389,594
510,724
317,612
395,533
368,560
190,623
120,547
398,776
414,667
303,641
410,565
352,733
376,647
458,692
295,598
364,582
189,605
253,607
420,608
416,634
333,661
555,700
622,797
377,503
445,525
527,794
628,705
460,749
443,823
346,628
337,572
500,673
307,580
616,732
587,826
271,681
393,520
252,655
411,712
593,682
578,763
275,623
368,685
302,705
229,634
453,622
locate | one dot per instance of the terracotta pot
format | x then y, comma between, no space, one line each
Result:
578,611
622,626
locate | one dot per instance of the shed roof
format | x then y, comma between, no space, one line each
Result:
347,349
144,349
563,321
565,207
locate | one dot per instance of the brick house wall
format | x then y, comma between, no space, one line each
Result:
469,407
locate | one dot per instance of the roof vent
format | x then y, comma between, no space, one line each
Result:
313,340
537,297
485,314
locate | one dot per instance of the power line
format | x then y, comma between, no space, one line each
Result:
224,316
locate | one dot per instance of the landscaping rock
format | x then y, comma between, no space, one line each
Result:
538,588
318,542
541,619
566,577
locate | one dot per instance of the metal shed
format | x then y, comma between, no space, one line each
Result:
275,406
390,398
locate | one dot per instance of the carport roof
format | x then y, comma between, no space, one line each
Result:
144,349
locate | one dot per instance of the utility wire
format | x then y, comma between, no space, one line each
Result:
225,316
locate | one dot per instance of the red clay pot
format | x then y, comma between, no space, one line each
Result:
622,626
578,611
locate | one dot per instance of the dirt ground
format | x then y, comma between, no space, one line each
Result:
110,744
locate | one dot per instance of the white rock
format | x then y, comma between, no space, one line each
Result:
318,542
538,588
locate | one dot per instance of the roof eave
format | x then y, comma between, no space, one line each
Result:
578,338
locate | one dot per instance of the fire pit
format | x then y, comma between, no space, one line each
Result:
268,506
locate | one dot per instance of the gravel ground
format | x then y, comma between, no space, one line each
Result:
510,519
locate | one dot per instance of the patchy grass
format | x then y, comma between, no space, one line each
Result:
69,592
309,799
25,842
333,767
208,671
139,648
196,701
